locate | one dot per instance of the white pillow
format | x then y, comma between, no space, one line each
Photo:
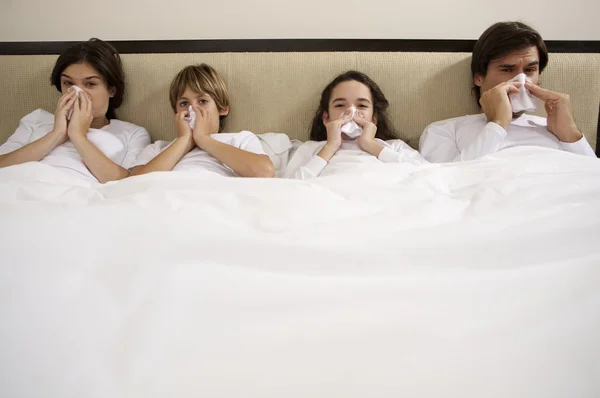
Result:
277,146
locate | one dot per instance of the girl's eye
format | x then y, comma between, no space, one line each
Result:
203,102
338,106
90,84
183,103
363,106
66,83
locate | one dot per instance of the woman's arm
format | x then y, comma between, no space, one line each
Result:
38,149
34,151
97,162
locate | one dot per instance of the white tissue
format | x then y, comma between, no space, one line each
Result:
523,100
351,129
191,119
77,91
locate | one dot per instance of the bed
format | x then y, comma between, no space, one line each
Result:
470,279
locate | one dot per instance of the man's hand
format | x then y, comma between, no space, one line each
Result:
560,113
495,103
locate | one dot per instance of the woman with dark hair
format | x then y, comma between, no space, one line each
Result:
350,97
83,137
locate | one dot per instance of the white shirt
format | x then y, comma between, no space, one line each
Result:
306,164
120,141
201,161
470,137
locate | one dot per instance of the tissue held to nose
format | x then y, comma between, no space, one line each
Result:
522,101
351,129
191,119
77,91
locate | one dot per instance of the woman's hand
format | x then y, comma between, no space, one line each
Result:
64,105
82,117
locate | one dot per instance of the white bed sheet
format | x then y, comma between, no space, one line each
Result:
478,279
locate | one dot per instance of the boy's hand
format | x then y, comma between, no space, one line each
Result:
184,132
202,128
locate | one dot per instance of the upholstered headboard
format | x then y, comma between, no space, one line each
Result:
279,91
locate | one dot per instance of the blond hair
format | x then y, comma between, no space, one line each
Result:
202,79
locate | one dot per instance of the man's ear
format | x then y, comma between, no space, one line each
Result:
224,111
478,79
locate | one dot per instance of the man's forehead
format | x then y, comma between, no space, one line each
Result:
525,55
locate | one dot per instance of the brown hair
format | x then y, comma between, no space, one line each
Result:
385,129
501,39
101,56
201,79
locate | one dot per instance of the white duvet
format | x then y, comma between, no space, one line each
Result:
478,279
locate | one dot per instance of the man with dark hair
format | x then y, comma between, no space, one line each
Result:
505,50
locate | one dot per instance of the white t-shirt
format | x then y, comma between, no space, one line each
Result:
306,164
120,141
202,161
470,137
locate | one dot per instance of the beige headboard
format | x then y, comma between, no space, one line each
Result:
278,92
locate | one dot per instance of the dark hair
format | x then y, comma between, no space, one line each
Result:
501,39
101,56
385,129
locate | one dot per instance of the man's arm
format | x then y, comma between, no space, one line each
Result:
560,121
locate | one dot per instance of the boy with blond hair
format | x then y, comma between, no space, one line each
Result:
199,98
